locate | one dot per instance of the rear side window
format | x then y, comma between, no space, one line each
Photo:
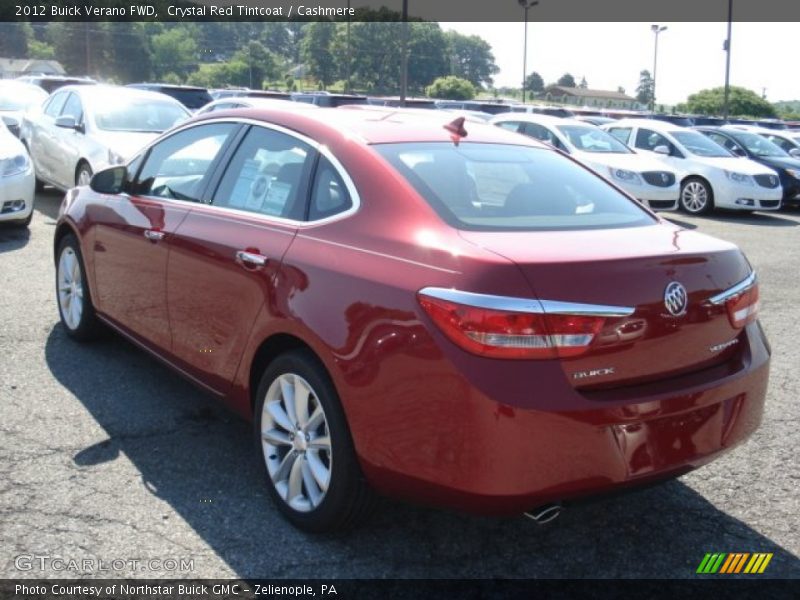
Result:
623,134
267,175
499,187
329,195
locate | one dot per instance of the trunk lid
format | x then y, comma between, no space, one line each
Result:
632,267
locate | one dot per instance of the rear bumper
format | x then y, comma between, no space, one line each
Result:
492,457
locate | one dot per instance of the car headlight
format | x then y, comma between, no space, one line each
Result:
114,158
626,176
793,173
14,165
739,178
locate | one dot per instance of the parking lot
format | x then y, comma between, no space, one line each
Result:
105,454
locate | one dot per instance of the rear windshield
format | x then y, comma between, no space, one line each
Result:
499,187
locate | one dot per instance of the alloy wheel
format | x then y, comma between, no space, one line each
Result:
70,288
694,197
296,442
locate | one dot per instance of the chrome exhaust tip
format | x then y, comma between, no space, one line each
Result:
545,513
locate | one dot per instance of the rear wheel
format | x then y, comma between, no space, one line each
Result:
696,196
72,293
302,436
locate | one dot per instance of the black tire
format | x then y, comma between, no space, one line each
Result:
39,185
348,497
83,167
694,207
88,326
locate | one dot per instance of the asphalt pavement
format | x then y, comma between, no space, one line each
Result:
105,455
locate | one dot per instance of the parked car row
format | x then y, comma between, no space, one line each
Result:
376,289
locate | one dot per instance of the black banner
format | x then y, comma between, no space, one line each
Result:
392,10
350,589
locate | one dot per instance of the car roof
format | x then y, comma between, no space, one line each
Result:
262,101
540,119
331,125
654,124
101,89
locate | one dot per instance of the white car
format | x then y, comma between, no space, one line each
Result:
16,180
642,177
83,129
16,98
710,176
231,102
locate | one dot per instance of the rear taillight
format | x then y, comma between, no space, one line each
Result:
741,301
499,333
743,307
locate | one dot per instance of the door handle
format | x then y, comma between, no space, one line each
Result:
153,235
251,258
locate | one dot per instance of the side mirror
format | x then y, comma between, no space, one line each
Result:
113,180
662,150
68,122
795,152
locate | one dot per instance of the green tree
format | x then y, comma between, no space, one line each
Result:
14,39
566,80
427,55
40,50
318,52
471,58
127,40
645,89
375,52
174,51
583,84
534,83
742,102
260,63
220,75
451,88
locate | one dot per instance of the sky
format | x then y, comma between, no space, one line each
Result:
690,55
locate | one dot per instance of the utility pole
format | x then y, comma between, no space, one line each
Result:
526,5
727,47
404,57
88,45
347,62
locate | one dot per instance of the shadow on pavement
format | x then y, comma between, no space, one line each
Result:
756,218
13,237
198,458
48,202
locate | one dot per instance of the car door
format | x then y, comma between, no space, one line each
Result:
132,239
42,139
226,254
67,144
648,140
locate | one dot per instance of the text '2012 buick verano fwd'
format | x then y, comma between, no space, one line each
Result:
460,317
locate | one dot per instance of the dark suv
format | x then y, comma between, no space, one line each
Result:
327,99
193,98
50,83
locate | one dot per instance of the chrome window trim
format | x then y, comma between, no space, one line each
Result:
527,305
322,149
740,287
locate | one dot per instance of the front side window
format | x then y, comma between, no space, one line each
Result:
267,175
782,143
647,139
501,187
178,167
509,125
55,104
73,108
760,146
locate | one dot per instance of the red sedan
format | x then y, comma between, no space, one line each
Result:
459,317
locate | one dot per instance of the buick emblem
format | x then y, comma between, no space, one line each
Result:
676,299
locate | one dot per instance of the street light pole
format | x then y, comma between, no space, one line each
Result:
656,30
347,64
727,47
526,5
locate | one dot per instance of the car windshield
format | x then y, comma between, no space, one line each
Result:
137,115
20,98
760,146
500,187
698,144
591,139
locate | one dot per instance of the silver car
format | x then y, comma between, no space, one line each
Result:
80,130
15,99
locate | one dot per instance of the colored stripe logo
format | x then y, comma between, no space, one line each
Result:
734,562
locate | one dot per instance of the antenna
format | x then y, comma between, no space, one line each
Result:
456,128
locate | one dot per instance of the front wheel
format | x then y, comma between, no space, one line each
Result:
302,436
696,196
72,293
